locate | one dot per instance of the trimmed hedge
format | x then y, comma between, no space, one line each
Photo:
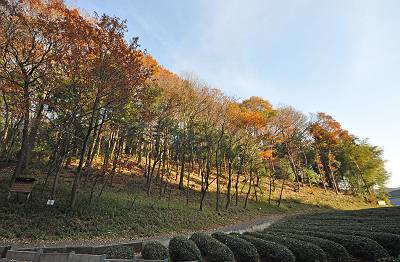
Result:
334,251
388,236
377,216
183,249
212,249
352,217
392,259
269,251
303,251
359,247
154,250
121,252
324,221
372,212
390,242
371,223
386,228
242,250
368,235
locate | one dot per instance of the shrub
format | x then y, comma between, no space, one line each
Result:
212,249
392,259
183,249
359,247
364,213
303,251
154,250
269,251
334,251
121,252
243,250
373,226
386,236
390,242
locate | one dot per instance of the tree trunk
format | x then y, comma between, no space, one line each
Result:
237,181
96,142
217,165
182,171
206,180
25,133
228,192
116,158
280,195
250,182
82,155
32,137
10,140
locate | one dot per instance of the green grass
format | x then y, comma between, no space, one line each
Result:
113,217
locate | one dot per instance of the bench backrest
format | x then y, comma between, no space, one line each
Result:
25,187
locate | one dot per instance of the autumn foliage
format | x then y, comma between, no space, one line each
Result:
74,89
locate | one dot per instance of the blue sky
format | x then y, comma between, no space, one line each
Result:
341,57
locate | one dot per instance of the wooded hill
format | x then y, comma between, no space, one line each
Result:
394,192
75,91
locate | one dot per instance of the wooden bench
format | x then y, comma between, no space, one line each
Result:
22,185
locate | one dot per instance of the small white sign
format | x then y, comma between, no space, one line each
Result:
381,203
50,202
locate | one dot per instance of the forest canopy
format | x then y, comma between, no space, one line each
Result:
74,89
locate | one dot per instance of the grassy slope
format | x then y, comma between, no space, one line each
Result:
115,217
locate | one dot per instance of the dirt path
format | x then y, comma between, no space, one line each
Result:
252,225
249,226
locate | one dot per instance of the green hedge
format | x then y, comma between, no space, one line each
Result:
365,216
373,222
334,251
121,252
212,249
359,247
371,213
355,221
352,221
392,259
382,227
154,250
269,251
349,217
390,242
243,250
183,249
303,251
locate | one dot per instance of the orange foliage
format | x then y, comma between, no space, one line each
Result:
328,132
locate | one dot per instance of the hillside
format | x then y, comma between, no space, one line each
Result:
125,211
394,192
126,148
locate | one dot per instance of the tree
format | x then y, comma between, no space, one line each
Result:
30,44
328,134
